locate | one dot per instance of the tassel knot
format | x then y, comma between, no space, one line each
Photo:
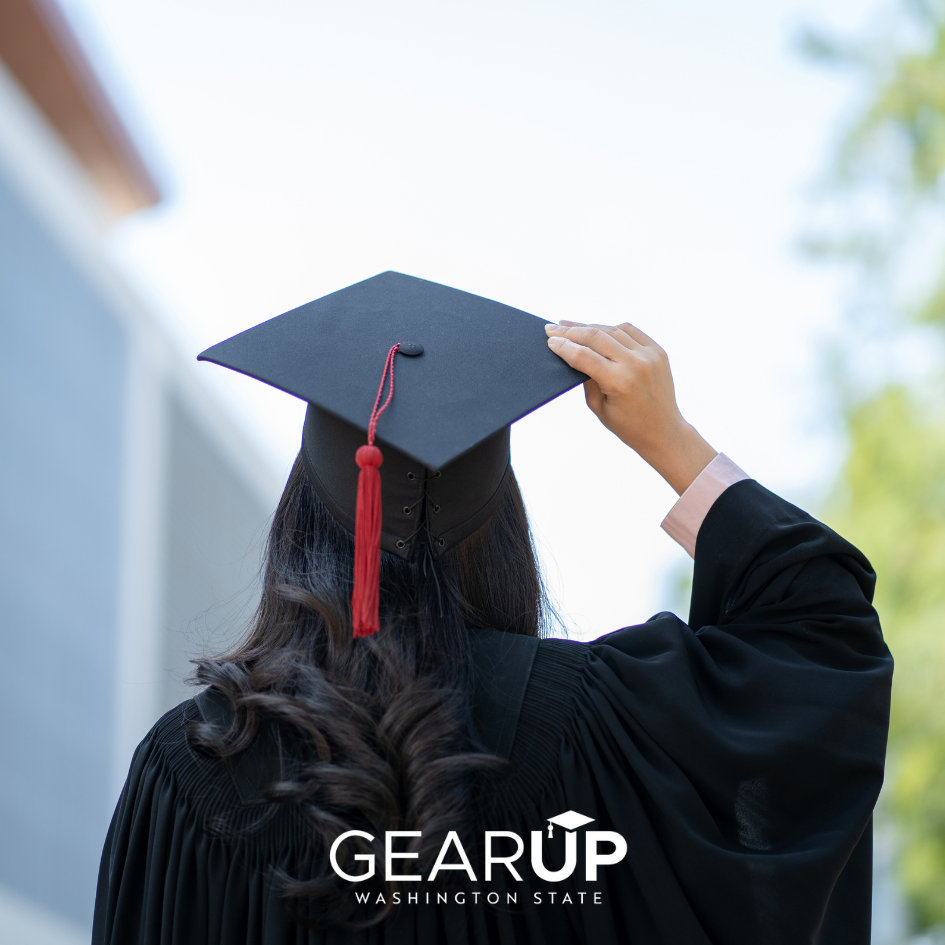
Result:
369,456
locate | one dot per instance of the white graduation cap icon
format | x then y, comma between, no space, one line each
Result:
570,820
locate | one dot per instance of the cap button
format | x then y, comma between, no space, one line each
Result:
410,348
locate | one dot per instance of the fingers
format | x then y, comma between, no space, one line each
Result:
606,340
580,357
638,336
625,333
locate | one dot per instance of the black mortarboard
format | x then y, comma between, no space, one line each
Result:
474,367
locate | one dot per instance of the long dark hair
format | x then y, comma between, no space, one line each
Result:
382,724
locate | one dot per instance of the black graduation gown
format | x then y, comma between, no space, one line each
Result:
740,756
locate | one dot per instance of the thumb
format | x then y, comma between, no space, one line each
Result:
594,396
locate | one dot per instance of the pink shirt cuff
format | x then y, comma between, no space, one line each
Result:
687,515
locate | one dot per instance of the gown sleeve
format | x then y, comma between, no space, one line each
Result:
741,754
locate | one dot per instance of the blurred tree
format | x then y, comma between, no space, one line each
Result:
892,505
890,499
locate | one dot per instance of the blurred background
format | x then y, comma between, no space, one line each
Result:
757,186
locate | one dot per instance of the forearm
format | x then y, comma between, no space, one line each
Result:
679,457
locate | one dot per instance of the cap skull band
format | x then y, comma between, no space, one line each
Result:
466,369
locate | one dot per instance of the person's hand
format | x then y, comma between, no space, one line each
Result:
631,391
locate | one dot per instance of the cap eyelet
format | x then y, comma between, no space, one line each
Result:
401,543
406,510
411,476
437,474
441,542
436,508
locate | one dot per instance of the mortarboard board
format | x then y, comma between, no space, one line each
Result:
570,820
466,369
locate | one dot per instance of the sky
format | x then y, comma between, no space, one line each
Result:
599,161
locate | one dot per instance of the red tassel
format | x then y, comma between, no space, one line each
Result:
366,596
365,600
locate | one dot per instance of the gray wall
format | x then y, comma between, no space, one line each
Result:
63,396
216,531
62,357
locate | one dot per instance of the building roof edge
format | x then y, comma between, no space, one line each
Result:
42,53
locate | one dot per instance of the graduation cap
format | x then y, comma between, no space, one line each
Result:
466,368
570,820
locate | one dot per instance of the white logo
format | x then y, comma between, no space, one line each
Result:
452,847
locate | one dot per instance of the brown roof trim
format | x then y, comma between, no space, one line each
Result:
42,53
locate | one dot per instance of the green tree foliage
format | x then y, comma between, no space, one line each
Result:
892,505
891,496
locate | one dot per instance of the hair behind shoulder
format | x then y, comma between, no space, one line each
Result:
382,726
